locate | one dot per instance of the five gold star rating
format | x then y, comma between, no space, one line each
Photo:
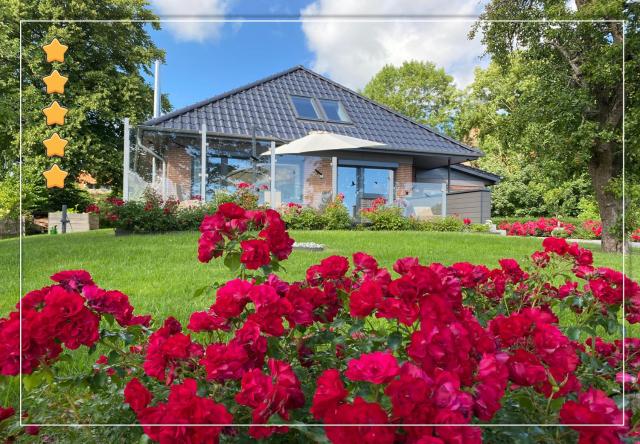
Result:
55,113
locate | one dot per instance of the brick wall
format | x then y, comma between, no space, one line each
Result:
179,166
405,176
317,188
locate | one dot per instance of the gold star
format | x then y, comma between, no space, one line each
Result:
55,145
55,114
55,51
55,82
55,177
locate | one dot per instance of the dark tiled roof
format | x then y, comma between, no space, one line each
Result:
477,172
266,104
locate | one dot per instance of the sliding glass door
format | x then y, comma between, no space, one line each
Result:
360,186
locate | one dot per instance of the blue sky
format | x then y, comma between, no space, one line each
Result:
197,70
204,59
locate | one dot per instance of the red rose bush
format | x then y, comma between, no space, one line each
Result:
415,354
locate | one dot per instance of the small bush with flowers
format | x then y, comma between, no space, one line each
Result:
541,227
386,217
365,353
332,216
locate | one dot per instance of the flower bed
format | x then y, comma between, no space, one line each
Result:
540,227
544,227
351,343
153,215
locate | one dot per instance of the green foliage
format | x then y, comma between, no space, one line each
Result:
418,90
478,228
566,99
336,216
588,209
9,198
497,111
48,200
303,218
105,63
448,223
388,218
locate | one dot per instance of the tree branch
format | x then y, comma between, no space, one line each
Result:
576,72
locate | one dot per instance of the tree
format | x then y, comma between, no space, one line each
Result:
105,63
418,90
495,114
577,67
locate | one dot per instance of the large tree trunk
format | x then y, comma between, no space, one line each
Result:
602,168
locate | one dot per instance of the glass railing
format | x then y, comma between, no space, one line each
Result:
422,200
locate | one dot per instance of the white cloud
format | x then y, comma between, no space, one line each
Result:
352,52
190,11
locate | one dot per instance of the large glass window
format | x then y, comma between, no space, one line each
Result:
377,182
290,178
334,110
229,163
305,107
360,186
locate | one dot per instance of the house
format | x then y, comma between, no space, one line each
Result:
215,144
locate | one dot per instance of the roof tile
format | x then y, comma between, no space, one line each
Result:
266,104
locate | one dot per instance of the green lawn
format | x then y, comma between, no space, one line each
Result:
161,272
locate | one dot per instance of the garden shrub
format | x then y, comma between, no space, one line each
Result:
298,217
350,343
448,223
478,228
588,209
385,217
336,216
189,218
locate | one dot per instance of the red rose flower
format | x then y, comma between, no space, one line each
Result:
207,321
363,300
136,395
231,210
360,412
231,298
555,245
377,367
594,407
73,279
210,245
255,253
268,395
364,262
184,406
6,412
225,361
169,348
330,392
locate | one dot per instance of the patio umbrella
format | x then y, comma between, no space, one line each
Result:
323,141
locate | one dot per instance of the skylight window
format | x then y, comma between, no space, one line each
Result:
334,110
305,107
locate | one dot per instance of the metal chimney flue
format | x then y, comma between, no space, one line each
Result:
156,90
